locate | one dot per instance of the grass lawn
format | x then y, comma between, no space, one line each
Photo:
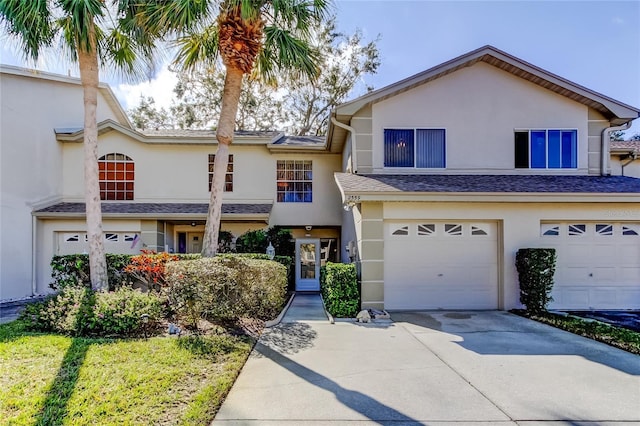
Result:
619,337
48,379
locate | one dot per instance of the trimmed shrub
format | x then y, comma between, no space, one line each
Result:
73,270
79,311
281,240
226,288
283,260
252,242
536,267
339,287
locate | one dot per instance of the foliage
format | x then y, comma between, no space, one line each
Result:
536,267
299,106
339,288
635,137
252,242
617,135
149,268
226,287
82,312
73,270
622,338
54,380
225,241
147,116
282,241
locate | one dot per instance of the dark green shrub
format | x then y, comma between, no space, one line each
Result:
339,288
225,240
226,287
536,267
281,240
73,270
252,242
79,311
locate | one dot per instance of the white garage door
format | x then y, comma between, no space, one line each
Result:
440,265
598,264
114,242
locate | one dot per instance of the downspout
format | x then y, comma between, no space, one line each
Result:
354,163
34,232
605,170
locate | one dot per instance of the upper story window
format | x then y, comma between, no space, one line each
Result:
116,177
228,178
546,149
417,148
294,180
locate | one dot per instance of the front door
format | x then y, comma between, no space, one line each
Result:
308,264
195,241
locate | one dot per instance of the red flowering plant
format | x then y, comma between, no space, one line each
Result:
149,268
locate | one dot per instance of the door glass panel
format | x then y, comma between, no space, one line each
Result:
308,261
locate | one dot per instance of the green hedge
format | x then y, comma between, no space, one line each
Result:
73,270
226,287
339,287
79,311
536,267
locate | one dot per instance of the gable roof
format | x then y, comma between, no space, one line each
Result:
374,187
186,211
617,112
103,88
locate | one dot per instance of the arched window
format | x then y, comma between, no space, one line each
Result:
116,177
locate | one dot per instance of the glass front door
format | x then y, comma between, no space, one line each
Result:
308,264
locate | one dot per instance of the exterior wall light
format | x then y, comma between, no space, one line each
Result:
271,252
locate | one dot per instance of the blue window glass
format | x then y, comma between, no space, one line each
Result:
554,148
538,149
569,149
294,181
430,148
398,148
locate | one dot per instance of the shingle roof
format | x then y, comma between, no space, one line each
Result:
160,208
204,132
352,183
301,141
630,145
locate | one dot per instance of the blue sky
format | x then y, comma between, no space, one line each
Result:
593,43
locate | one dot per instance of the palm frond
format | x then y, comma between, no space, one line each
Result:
159,18
299,15
197,49
30,22
81,16
285,52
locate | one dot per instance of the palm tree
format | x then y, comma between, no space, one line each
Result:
94,33
263,37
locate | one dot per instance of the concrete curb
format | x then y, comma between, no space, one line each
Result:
331,320
278,319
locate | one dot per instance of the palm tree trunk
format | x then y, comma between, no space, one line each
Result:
224,135
88,61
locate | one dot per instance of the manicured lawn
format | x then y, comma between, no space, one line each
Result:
619,337
48,379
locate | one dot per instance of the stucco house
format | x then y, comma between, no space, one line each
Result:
625,158
430,185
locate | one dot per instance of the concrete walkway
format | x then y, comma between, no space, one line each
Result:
442,369
305,307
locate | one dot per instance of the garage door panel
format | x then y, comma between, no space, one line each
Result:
452,265
598,265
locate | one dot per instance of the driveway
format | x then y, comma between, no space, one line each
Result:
435,368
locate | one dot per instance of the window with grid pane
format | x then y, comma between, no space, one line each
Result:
228,177
117,173
417,148
294,181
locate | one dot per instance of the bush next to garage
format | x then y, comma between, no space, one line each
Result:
73,270
226,288
536,267
339,287
79,311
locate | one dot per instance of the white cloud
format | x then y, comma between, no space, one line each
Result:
160,88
